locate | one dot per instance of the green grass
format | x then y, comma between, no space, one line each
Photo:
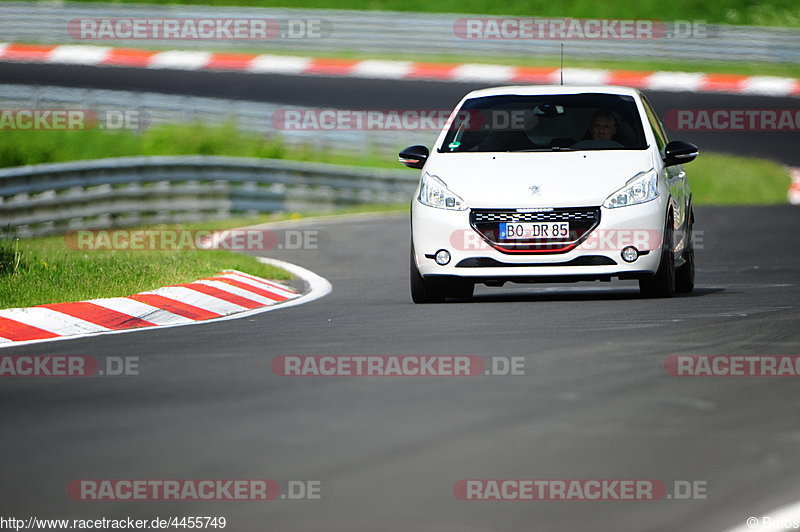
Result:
718,179
34,147
10,257
19,148
752,12
50,272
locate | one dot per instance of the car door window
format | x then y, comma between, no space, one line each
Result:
655,124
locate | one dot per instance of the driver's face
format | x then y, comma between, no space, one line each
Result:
603,128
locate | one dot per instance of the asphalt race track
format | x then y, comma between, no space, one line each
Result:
596,401
356,93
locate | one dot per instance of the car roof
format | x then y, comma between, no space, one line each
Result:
531,90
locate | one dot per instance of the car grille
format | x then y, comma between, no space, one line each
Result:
585,214
582,220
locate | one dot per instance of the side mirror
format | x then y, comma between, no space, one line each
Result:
414,156
679,152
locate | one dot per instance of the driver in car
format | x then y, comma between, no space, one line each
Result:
603,126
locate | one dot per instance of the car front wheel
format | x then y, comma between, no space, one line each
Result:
436,290
662,284
424,290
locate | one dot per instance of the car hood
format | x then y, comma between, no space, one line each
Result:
564,179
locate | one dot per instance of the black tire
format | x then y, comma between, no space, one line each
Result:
425,290
460,289
684,274
662,283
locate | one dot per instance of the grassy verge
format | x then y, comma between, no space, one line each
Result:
20,148
718,179
764,12
49,272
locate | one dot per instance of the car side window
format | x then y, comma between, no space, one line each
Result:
655,124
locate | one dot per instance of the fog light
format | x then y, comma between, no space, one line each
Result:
442,257
630,254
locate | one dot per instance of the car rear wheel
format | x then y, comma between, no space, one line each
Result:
662,284
684,274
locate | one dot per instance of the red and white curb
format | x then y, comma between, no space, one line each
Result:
371,68
227,295
794,187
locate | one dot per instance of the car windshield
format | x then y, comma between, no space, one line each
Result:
562,122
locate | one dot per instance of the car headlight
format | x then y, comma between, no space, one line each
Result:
434,193
643,187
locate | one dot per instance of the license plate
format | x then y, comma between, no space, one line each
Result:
528,230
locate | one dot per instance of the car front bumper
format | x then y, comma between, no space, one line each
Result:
598,256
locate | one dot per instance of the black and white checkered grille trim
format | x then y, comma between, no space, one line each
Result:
581,220
556,215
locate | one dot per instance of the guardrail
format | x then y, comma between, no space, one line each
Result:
255,117
55,198
387,32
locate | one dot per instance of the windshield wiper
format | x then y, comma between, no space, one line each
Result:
554,148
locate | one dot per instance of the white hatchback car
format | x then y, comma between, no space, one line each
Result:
551,184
